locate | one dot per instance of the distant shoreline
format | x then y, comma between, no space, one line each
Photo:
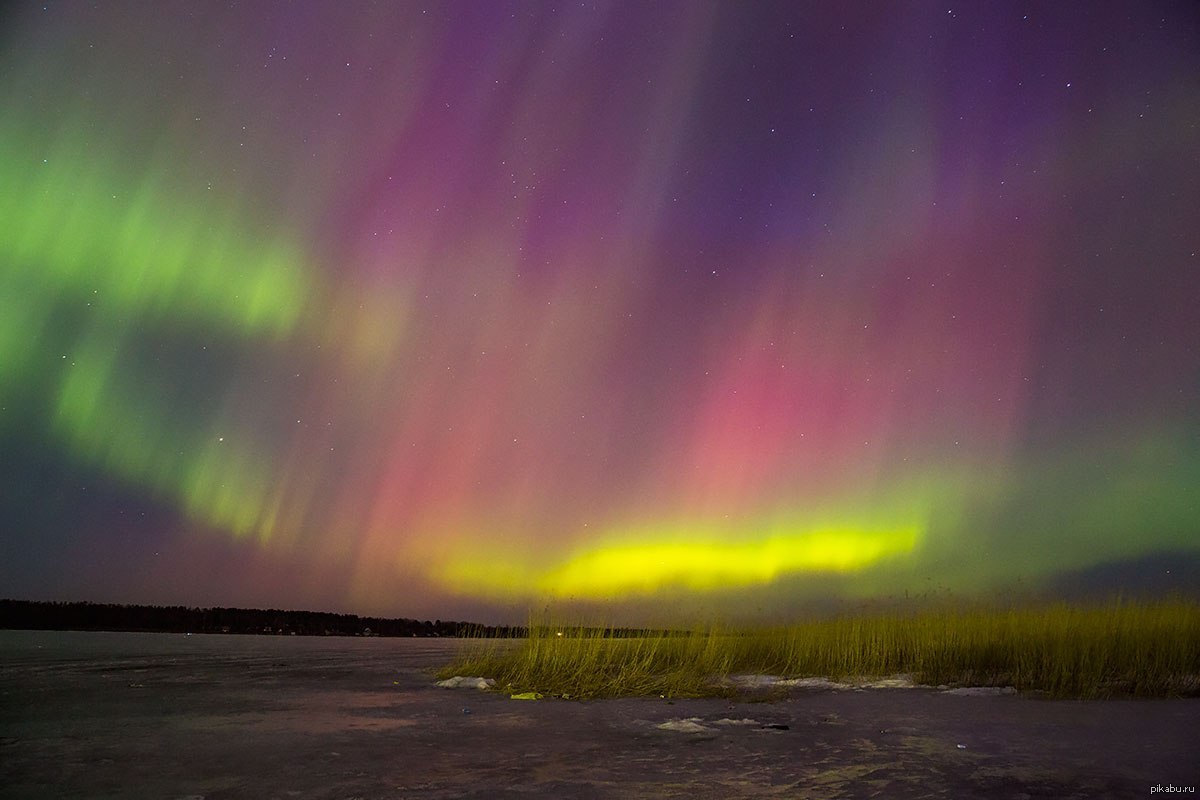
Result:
87,616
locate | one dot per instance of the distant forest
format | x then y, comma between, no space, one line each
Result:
33,615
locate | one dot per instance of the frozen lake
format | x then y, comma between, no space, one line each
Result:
122,715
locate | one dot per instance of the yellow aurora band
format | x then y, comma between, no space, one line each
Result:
626,568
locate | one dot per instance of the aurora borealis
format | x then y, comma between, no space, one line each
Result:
458,308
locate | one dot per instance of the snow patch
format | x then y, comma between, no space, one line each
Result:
894,682
754,681
689,725
774,681
813,683
465,682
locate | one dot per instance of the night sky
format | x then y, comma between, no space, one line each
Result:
458,309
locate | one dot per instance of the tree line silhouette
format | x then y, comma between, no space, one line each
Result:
85,616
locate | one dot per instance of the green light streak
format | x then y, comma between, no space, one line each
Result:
1075,508
20,326
127,435
75,228
113,246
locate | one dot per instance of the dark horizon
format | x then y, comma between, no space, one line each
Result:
1167,577
138,618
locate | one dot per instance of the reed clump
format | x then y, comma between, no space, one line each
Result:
1063,651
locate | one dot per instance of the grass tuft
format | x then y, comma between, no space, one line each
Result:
1063,651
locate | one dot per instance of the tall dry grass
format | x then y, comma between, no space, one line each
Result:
1119,649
